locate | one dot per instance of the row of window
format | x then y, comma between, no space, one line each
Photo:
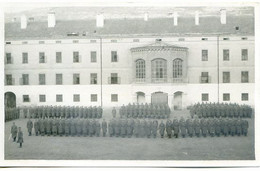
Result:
226,55
205,78
76,98
114,79
115,41
76,57
114,56
226,97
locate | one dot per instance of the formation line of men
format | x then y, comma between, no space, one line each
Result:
11,114
154,111
139,127
205,110
64,111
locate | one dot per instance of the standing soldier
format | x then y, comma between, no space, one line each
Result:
244,127
72,127
154,128
20,137
91,128
100,111
114,112
129,129
117,128
55,126
225,127
60,127
137,128
42,126
169,128
104,127
149,128
183,127
67,127
36,126
143,128
204,127
162,128
94,112
78,126
190,126
29,126
97,128
232,127
14,131
211,125
217,127
110,129
123,128
196,124
85,127
238,127
175,126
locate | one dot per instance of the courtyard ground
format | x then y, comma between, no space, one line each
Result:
106,148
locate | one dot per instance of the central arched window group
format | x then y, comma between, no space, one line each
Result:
158,69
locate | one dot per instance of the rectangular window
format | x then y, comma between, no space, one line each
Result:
113,41
205,97
225,54
58,57
42,98
93,97
225,38
114,98
75,57
58,79
244,97
42,57
25,58
244,77
8,43
41,42
8,58
76,97
25,79
9,79
26,98
42,79
136,40
244,54
226,97
114,57
58,41
205,39
226,77
59,98
114,78
93,55
204,54
93,41
75,41
243,38
25,42
76,79
204,77
181,39
93,78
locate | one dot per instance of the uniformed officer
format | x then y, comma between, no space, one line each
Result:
129,128
162,128
67,127
232,127
238,127
36,127
183,127
204,127
79,126
29,126
154,128
175,126
211,125
149,128
60,128
217,127
110,129
54,126
137,128
196,124
245,126
72,126
169,128
98,128
104,127
190,126
114,112
14,131
100,112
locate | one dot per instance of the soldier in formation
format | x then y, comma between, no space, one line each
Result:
218,110
12,114
14,131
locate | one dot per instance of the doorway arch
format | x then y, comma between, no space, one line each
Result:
177,100
159,98
140,97
10,100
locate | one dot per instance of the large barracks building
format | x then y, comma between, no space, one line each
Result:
108,62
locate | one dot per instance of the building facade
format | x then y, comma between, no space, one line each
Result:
173,60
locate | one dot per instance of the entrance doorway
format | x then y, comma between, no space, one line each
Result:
10,100
159,98
177,101
140,97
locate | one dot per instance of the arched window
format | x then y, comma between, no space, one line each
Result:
159,70
140,70
177,68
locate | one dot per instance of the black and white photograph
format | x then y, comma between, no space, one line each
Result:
129,83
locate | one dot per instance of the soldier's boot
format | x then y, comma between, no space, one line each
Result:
161,136
21,144
14,139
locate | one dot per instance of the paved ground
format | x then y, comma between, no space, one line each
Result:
106,148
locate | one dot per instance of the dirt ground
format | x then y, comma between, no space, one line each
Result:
106,148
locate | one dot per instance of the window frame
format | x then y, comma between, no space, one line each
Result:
204,55
42,98
114,97
93,97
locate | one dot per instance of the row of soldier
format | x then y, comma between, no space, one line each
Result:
11,114
139,128
155,111
63,111
220,110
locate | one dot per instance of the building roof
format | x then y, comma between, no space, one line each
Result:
130,27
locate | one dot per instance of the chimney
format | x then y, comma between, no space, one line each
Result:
100,20
197,18
223,16
51,19
175,18
23,22
146,16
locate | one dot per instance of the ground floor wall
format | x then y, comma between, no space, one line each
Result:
177,96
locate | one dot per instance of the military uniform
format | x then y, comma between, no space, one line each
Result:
204,127
162,128
104,128
14,131
137,128
190,129
36,127
29,127
110,129
176,129
54,127
183,127
154,128
169,128
245,126
98,127
196,124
